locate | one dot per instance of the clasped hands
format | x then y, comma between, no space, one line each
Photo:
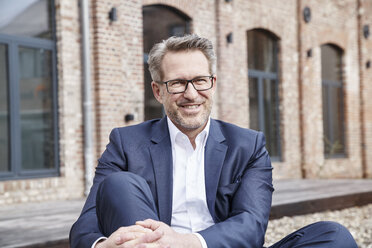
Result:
149,234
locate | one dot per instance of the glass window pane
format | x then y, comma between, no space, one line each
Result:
168,23
331,63
253,104
262,51
333,120
30,18
36,116
4,115
326,120
271,117
337,145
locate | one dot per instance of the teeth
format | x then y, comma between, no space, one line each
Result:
191,106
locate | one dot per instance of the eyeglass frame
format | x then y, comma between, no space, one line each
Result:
211,77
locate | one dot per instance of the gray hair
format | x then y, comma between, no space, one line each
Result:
177,44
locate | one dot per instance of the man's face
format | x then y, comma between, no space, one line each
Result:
190,110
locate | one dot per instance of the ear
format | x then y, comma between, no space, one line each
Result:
156,90
214,82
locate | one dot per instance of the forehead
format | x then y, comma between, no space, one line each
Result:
184,64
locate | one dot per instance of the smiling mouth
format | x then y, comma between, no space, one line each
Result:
190,106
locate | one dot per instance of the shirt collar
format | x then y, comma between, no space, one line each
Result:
174,131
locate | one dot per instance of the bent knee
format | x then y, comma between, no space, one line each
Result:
341,235
123,180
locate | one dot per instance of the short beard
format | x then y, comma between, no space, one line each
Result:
179,121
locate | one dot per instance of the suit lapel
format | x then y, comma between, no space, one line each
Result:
161,156
215,152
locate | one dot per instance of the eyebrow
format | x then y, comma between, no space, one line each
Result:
187,79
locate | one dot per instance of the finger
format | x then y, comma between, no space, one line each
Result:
143,238
149,223
131,243
125,234
152,245
134,228
151,237
125,237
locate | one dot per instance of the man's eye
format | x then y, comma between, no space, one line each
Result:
200,80
175,83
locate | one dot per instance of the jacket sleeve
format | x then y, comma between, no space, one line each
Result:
250,206
85,231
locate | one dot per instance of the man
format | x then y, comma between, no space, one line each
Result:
186,180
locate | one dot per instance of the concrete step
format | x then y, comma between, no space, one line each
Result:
298,196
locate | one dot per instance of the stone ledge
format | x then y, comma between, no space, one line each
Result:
297,197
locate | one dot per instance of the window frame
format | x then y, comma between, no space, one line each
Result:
12,44
331,84
260,76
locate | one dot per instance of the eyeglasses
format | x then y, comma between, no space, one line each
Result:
177,86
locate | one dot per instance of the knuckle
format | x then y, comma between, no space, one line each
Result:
126,236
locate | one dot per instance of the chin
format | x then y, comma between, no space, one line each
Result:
188,122
193,124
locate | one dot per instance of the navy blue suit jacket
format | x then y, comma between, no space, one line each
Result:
238,180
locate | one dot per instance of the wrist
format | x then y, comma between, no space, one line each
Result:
192,241
100,244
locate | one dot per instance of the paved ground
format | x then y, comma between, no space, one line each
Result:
47,224
29,224
358,220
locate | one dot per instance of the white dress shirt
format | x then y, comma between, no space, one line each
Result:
190,212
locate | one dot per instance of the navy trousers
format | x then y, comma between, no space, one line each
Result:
124,198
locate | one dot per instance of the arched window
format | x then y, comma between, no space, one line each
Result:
264,87
332,95
159,23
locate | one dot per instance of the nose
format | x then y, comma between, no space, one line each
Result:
190,92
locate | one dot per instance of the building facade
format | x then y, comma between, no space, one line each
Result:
299,71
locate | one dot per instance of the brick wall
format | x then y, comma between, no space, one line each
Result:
333,22
365,50
118,65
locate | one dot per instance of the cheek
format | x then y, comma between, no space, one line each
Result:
163,96
169,100
207,95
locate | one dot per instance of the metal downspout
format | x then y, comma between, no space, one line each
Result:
87,101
